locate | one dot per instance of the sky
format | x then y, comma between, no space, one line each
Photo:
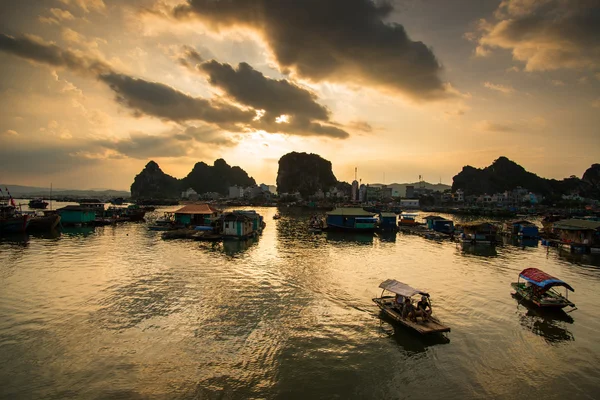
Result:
91,90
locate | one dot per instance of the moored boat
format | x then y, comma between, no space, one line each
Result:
391,308
38,204
538,288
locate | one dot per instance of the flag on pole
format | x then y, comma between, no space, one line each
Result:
12,201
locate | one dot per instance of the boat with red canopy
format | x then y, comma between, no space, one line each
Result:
539,287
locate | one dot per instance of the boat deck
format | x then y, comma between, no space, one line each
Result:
424,328
550,299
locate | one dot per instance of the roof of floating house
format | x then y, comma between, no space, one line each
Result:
434,217
351,212
542,279
576,225
388,215
521,222
197,209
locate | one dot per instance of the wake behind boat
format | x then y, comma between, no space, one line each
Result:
394,309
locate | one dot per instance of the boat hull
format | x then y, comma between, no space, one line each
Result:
432,326
14,224
43,224
554,301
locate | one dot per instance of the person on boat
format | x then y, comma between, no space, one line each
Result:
399,302
408,311
424,308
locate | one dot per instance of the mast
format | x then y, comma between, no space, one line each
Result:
50,196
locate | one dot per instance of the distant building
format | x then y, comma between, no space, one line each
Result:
354,197
189,194
459,196
373,193
387,192
409,203
362,193
236,192
410,192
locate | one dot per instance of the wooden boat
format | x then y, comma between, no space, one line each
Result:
388,306
38,204
538,288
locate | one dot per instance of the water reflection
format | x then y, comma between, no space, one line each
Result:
519,242
387,236
233,247
350,237
480,250
549,324
83,231
575,258
410,341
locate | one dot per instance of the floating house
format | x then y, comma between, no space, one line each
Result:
237,225
197,215
439,224
479,233
522,228
579,235
78,215
351,219
388,221
407,219
258,223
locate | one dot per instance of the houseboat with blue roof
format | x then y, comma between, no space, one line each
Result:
351,219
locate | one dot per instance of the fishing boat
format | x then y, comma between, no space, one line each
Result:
38,204
11,221
538,288
388,305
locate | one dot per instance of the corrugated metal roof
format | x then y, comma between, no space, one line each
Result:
197,209
576,224
388,215
351,212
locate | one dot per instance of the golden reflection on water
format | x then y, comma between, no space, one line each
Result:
116,312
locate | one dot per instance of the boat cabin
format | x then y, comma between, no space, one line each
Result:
197,215
258,224
579,232
521,228
388,221
351,219
237,226
439,224
537,287
479,232
78,215
407,219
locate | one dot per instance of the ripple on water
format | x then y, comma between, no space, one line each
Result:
116,311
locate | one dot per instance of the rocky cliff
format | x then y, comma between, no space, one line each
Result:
217,178
153,183
504,174
304,173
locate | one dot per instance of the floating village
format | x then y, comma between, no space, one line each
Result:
513,217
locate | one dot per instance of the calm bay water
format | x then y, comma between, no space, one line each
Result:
117,312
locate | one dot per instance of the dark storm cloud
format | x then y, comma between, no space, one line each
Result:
165,102
36,50
333,40
252,88
546,35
